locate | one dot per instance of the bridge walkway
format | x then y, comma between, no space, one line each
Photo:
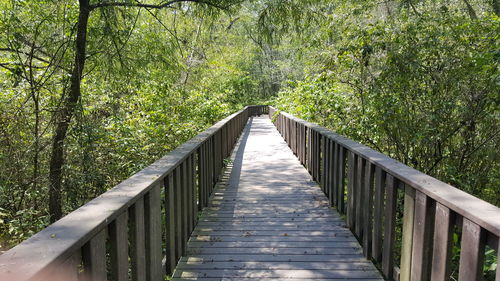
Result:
268,220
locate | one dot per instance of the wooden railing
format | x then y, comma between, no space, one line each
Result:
365,185
140,228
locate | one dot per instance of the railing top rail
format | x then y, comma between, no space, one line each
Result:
482,213
57,242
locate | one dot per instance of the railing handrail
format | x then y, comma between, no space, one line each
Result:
56,243
364,184
481,212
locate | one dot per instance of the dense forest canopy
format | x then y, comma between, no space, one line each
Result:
93,91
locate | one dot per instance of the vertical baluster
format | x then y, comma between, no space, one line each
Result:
497,278
170,224
368,209
352,167
378,211
407,240
68,271
389,226
190,191
471,251
183,205
323,165
332,193
178,212
137,241
152,208
422,237
341,179
201,193
359,199
309,151
186,198
333,173
119,247
195,188
443,239
94,257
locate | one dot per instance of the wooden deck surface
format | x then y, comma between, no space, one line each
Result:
267,220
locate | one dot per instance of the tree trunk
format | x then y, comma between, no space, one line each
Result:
496,6
65,114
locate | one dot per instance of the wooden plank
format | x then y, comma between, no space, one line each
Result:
270,238
333,174
94,257
378,211
303,274
407,239
443,238
349,265
471,252
351,191
178,212
497,278
171,258
341,180
423,230
118,234
189,196
359,197
185,208
138,241
479,211
368,210
329,258
389,226
201,192
152,215
195,187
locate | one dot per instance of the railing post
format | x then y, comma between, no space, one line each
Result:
171,257
378,211
153,234
471,251
118,233
138,241
407,240
389,226
94,257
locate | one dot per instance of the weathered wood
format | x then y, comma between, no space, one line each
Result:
389,226
407,240
422,237
152,214
368,209
189,196
201,193
378,214
94,257
184,206
443,231
332,192
484,214
359,197
497,278
273,222
351,191
118,234
194,188
171,258
137,241
341,179
178,212
471,251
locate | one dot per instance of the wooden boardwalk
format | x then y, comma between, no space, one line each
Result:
267,220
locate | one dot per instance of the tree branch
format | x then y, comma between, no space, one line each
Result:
154,6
